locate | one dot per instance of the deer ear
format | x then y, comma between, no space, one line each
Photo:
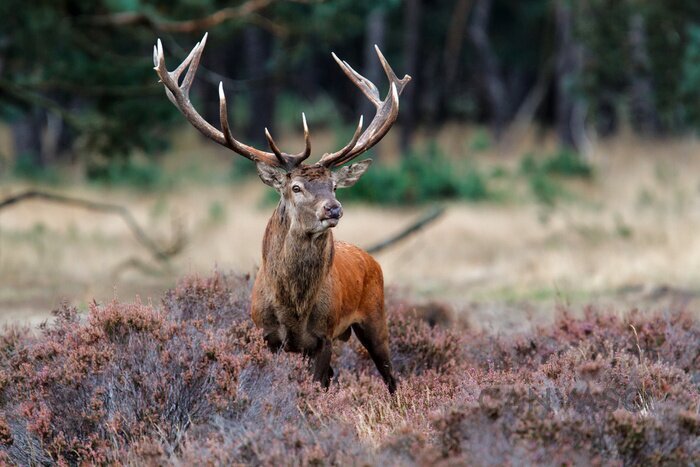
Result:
350,174
271,176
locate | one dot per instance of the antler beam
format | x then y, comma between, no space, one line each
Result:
179,95
387,112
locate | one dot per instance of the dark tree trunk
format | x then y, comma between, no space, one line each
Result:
308,80
411,41
642,109
374,34
454,42
26,137
50,138
258,47
491,79
428,100
569,110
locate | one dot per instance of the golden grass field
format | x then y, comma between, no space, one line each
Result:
625,238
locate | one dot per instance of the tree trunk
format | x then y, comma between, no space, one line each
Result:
258,47
374,34
491,78
50,138
26,138
569,110
411,41
642,109
453,43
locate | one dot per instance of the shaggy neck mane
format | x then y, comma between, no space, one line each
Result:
295,263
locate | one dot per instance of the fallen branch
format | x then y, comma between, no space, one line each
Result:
129,18
427,219
160,254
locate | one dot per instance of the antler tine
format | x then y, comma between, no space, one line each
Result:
385,117
307,141
297,159
180,99
291,160
192,69
175,74
387,112
366,86
400,83
280,157
331,159
178,94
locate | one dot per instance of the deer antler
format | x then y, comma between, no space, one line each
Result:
179,95
387,112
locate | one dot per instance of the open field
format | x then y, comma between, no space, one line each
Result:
626,237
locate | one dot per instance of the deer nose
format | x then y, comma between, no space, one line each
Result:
334,210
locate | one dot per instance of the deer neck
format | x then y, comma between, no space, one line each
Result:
296,263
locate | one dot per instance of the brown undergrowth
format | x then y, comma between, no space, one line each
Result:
190,380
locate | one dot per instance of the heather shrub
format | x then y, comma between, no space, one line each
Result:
190,380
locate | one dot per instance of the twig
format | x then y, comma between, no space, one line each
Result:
160,254
129,18
427,219
246,10
639,348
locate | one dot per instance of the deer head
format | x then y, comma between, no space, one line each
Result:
306,190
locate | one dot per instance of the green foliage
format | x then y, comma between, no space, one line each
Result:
690,78
55,59
481,141
217,212
25,168
564,162
545,189
569,164
420,177
672,47
241,169
61,57
128,172
669,44
321,112
542,173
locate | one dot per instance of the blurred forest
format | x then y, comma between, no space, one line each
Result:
76,78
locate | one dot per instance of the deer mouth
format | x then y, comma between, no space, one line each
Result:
331,221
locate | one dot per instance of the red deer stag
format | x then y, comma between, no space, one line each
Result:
310,289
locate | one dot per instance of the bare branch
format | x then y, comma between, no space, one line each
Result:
158,252
248,10
424,221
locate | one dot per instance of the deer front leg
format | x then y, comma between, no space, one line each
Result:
322,362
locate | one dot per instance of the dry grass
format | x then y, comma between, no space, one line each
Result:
627,232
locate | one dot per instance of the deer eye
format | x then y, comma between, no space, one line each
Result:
296,188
